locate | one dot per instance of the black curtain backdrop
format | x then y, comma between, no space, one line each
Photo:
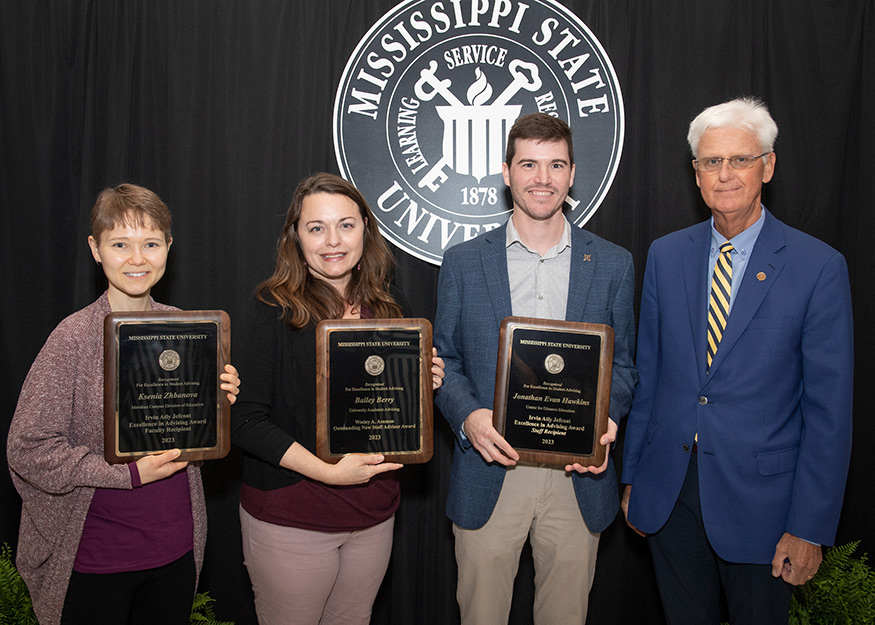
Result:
222,107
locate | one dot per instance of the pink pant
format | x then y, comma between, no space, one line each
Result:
304,577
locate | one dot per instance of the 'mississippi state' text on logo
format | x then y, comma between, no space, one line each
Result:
428,96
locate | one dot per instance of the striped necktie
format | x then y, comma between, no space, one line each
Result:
718,305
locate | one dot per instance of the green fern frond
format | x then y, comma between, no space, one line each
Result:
16,607
202,611
842,592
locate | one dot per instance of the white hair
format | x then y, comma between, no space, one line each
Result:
748,114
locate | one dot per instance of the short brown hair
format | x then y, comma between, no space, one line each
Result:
542,128
129,204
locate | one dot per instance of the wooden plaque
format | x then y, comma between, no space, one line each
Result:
553,389
161,384
374,389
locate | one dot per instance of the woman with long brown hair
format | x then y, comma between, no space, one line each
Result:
316,536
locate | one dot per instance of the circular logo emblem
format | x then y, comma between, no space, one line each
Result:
168,360
427,98
374,365
554,363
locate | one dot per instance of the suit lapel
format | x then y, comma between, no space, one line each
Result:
695,267
580,277
493,255
762,270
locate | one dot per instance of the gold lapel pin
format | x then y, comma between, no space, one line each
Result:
761,276
587,257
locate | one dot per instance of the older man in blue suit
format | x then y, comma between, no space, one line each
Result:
538,265
737,446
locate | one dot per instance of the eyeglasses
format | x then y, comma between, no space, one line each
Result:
713,163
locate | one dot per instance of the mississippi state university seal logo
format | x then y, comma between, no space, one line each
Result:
554,363
375,365
169,360
427,98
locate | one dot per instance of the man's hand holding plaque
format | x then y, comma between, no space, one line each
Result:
479,429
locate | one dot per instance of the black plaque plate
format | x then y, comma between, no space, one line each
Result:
161,384
553,389
374,389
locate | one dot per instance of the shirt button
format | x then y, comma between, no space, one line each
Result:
540,297
686,447
703,400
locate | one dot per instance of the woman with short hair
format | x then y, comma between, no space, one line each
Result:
100,542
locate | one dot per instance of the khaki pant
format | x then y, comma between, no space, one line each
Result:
538,502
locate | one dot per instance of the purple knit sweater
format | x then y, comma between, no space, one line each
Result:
55,454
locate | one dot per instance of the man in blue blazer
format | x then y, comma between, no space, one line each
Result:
537,265
736,470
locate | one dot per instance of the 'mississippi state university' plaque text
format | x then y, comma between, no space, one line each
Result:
373,389
161,384
553,388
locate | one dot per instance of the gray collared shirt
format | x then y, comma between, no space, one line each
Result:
538,284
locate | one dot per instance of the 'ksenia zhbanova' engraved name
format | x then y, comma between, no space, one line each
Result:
167,395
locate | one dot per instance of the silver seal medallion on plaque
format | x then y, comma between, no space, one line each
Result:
169,360
374,365
554,363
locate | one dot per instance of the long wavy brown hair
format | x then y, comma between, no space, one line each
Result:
306,299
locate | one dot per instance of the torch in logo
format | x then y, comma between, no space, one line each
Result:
475,134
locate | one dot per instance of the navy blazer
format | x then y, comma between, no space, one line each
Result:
773,416
473,299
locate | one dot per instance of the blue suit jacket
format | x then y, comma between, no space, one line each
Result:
773,416
473,299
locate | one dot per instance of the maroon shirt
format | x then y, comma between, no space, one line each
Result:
312,505
139,529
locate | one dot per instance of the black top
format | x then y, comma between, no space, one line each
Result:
277,403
